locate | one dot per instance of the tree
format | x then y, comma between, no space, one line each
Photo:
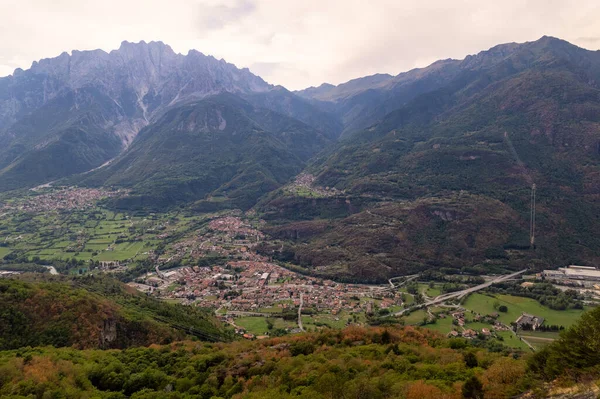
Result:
473,389
502,308
470,359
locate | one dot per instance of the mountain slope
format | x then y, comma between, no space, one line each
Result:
73,113
220,149
287,103
362,102
69,134
91,312
373,363
519,115
140,77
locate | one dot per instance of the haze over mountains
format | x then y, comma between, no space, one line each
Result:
432,167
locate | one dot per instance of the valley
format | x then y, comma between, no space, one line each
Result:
212,261
175,226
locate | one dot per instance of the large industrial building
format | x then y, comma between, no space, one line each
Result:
573,272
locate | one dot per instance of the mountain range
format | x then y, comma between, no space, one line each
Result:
432,168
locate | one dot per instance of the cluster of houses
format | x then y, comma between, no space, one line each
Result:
68,198
524,322
491,319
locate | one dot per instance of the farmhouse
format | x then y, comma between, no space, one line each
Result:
528,321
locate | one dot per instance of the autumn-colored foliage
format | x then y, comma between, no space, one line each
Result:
88,312
358,362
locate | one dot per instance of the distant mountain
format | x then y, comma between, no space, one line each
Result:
75,112
139,77
431,168
287,103
510,117
362,102
221,149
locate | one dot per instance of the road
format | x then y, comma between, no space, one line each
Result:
407,279
244,313
460,294
300,312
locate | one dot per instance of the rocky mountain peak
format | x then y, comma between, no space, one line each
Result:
142,78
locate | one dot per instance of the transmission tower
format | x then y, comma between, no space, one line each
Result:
532,218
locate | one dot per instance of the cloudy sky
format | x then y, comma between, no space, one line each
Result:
295,43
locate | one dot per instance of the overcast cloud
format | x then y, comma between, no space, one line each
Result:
295,43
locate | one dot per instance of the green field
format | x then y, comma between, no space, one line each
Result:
484,304
537,342
415,317
337,321
442,325
270,310
430,292
509,339
253,324
92,234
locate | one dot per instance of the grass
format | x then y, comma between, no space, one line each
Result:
431,292
509,339
442,325
278,322
415,317
333,321
484,304
253,324
409,298
4,251
537,342
48,235
122,251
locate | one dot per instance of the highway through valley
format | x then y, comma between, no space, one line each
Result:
460,294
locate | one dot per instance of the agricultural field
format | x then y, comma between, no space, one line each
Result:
4,251
479,303
432,292
442,325
484,304
253,324
92,234
258,325
415,317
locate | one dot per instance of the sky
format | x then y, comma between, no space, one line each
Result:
294,43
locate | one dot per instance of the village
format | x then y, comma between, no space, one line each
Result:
63,199
248,284
211,261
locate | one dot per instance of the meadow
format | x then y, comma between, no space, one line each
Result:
94,234
484,304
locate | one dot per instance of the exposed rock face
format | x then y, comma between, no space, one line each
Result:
108,333
140,77
85,108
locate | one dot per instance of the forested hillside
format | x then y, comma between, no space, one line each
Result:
515,116
222,150
92,312
352,363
